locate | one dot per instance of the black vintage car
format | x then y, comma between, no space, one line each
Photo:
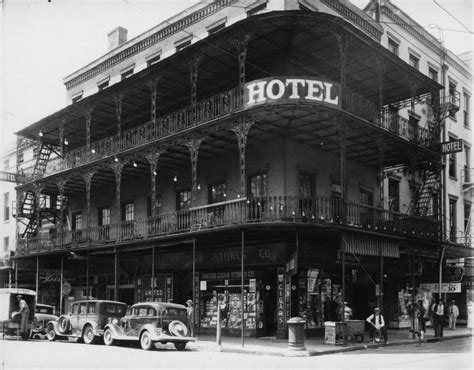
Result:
86,321
43,315
150,323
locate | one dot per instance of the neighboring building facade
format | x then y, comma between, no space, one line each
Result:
272,130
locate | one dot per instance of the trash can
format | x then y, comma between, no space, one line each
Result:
296,334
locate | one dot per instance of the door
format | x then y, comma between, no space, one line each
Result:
270,303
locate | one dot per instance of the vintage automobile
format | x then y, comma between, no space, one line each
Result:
9,307
86,321
43,314
151,323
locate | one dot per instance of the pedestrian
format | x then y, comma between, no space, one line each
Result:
24,312
453,313
190,313
421,319
438,318
377,325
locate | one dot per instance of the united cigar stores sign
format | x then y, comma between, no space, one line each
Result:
292,89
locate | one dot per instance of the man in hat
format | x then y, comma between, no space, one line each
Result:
190,311
453,313
24,312
377,323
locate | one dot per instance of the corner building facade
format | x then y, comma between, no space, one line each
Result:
246,168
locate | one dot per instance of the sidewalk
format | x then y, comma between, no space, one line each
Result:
314,346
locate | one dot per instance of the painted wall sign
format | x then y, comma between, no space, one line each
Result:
445,287
453,146
291,89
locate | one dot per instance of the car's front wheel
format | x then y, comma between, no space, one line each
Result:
51,333
88,335
145,341
108,338
180,345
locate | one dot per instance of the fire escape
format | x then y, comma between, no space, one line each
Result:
29,211
423,203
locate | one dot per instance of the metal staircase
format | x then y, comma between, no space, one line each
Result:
42,160
429,186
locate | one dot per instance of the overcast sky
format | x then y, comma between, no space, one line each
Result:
42,42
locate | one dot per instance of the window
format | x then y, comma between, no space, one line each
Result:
452,219
104,216
466,102
45,201
76,98
216,28
453,99
393,46
183,200
77,221
257,185
6,164
6,243
433,74
181,46
467,223
467,164
102,85
414,61
153,60
20,158
6,206
126,74
394,194
366,197
256,8
128,211
452,163
217,192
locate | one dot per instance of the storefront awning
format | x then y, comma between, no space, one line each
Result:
367,245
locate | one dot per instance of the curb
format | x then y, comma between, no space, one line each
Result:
310,353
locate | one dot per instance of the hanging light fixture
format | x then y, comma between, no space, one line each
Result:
115,159
135,164
93,151
175,178
66,142
199,186
154,173
41,133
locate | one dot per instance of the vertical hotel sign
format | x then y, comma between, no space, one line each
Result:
291,90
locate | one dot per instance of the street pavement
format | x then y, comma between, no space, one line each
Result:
314,346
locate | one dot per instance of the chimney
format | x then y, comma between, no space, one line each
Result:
117,37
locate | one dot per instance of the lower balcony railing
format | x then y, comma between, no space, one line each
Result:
319,210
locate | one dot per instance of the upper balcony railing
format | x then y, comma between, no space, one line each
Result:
276,209
216,107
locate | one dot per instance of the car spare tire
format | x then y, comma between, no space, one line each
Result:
63,324
177,328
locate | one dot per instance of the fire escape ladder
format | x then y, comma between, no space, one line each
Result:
428,187
42,160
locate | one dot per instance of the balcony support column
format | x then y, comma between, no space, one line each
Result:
153,86
380,69
240,44
341,126
194,70
117,168
61,138
116,274
342,42
153,161
118,113
88,116
241,131
61,184
88,181
193,147
380,150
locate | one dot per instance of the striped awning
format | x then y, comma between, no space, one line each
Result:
368,245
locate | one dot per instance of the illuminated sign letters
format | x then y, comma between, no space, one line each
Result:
286,89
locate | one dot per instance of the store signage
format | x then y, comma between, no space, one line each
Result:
453,146
445,287
291,89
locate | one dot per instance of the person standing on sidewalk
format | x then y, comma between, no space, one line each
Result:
438,318
421,318
190,312
453,313
24,314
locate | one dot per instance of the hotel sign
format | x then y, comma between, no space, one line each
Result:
454,146
291,89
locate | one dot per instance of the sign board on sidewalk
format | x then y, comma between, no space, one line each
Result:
445,287
453,146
